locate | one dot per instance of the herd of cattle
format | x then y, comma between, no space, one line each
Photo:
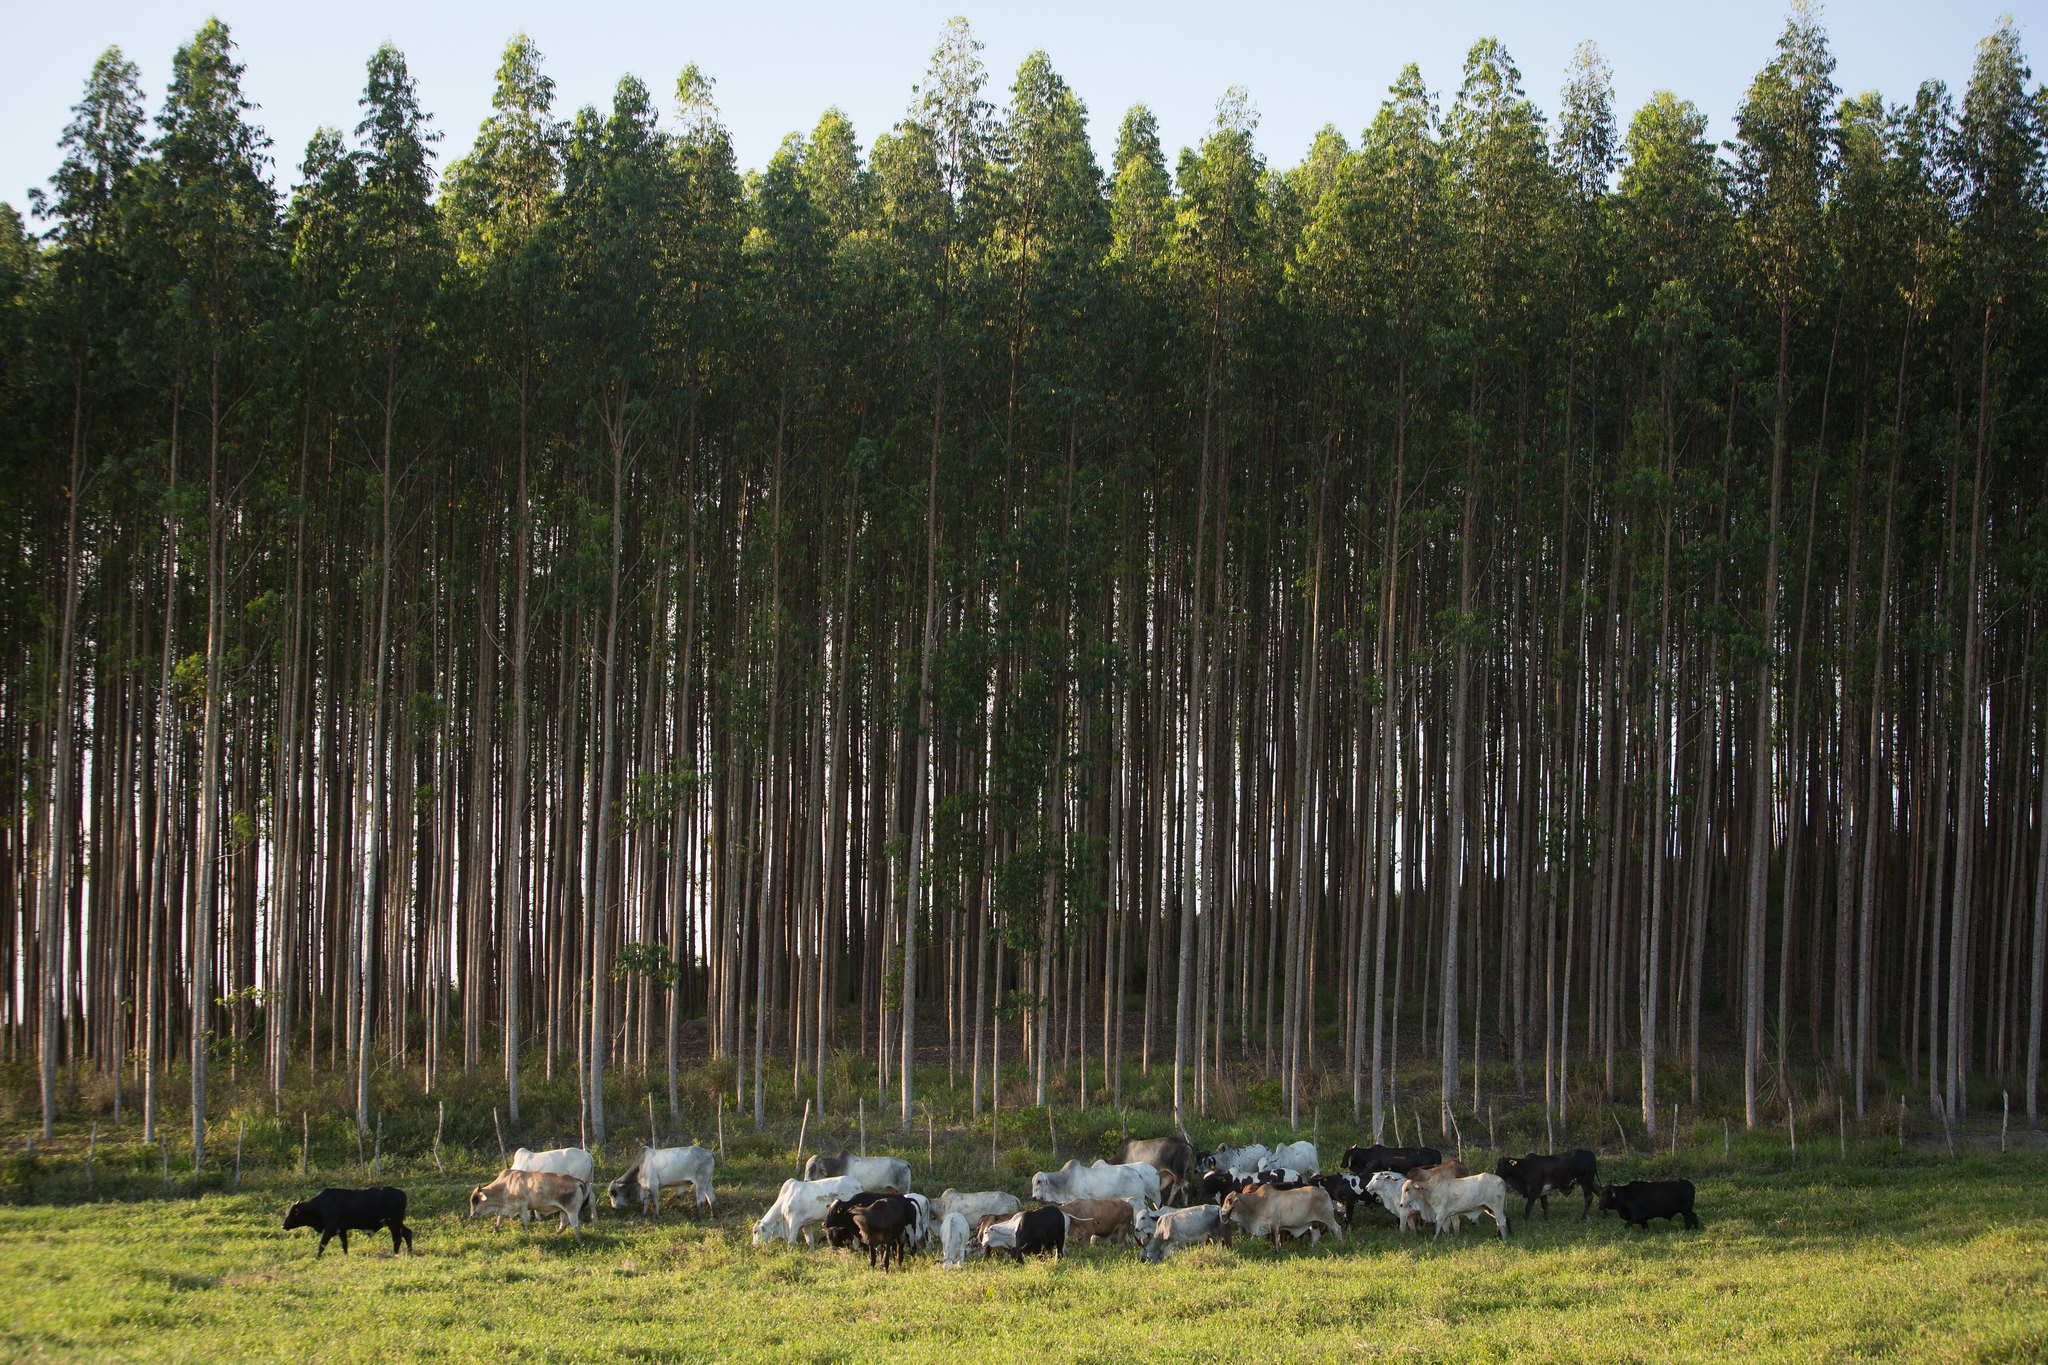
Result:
866,1203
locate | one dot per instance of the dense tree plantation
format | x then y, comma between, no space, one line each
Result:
1535,591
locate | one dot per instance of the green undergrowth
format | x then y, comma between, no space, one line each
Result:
1897,1255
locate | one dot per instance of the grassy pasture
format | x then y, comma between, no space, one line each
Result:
1888,1255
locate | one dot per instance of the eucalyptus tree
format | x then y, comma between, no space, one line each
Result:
1784,165
498,200
92,185
207,221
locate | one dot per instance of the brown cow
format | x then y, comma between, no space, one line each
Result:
1265,1212
522,1194
1100,1220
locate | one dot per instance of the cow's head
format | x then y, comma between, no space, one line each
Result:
300,1215
627,1192
477,1199
1610,1198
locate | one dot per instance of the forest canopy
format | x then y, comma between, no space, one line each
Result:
1541,592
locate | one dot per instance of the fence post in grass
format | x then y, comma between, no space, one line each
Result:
1842,1119
499,1131
801,1130
360,1159
650,1121
1456,1129
1615,1114
305,1141
1902,1123
440,1117
863,1125
721,1126
91,1151
1491,1144
241,1131
1549,1132
1055,1135
931,1137
1674,1128
2004,1120
1792,1128
377,1168
164,1146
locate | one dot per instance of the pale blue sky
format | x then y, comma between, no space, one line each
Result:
779,65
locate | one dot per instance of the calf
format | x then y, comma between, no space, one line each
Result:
1039,1231
1099,1220
841,1231
956,1241
1370,1161
338,1212
883,1223
522,1194
1641,1200
800,1205
974,1205
1393,1190
1271,1213
873,1172
1172,1157
1185,1228
665,1168
1447,1197
572,1161
1538,1176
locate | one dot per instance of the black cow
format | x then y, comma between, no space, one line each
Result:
1641,1200
1346,1191
1280,1178
882,1222
1038,1231
840,1229
338,1212
1536,1177
1366,1162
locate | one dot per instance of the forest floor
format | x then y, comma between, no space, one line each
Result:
1887,1253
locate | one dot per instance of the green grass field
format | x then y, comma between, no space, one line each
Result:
1892,1255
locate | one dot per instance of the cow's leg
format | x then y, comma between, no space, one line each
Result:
344,1241
395,1227
325,1237
1586,1183
1691,1219
1546,1203
654,1200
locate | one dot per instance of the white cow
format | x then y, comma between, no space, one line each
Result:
1299,1157
564,1161
665,1168
799,1206
1444,1199
956,1240
1239,1160
1185,1228
1137,1179
873,1172
1391,1189
974,1206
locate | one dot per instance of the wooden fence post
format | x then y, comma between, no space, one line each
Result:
440,1118
721,1126
2004,1120
863,1125
241,1131
305,1141
377,1167
499,1131
91,1151
801,1130
1055,1135
1842,1122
